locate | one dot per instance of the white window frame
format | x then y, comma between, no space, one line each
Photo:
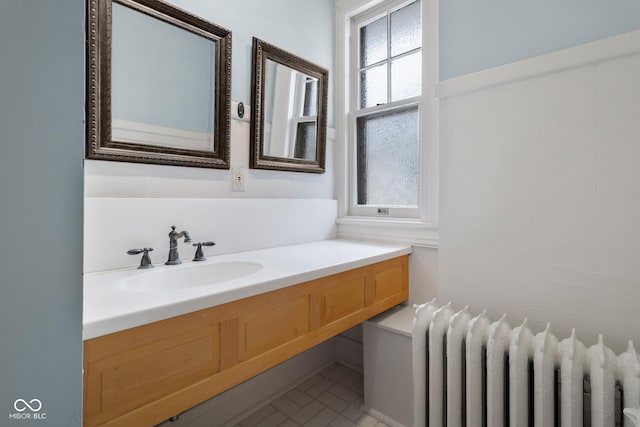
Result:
417,226
356,112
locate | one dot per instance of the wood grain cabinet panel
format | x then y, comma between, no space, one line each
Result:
342,300
145,375
159,359
271,326
388,283
130,382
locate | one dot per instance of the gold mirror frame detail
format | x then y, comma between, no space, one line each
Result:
99,145
262,51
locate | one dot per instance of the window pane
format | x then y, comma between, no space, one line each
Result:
405,29
305,141
388,164
405,76
373,86
310,97
373,42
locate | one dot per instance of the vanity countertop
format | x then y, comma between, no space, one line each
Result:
108,309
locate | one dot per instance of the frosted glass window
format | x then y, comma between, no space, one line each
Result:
386,165
388,162
305,141
373,86
405,76
373,42
390,61
405,29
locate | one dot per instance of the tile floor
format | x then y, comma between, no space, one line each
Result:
331,398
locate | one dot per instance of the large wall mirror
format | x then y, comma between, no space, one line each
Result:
289,118
158,85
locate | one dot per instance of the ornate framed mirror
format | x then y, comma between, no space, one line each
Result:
158,85
289,116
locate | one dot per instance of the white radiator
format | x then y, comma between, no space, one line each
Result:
470,372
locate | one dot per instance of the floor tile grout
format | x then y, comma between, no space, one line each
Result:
333,397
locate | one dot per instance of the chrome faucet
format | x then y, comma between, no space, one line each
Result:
174,258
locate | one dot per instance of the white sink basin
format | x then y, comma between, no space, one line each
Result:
187,276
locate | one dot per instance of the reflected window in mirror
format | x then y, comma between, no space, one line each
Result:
158,85
289,118
290,113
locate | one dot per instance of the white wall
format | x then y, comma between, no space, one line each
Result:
540,207
115,225
423,274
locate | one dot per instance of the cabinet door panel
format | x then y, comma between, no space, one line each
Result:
388,283
132,379
342,300
265,329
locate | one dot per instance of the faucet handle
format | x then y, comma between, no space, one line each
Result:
145,262
199,253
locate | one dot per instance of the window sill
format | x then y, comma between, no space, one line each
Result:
411,231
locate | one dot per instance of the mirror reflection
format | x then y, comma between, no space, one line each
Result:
159,85
288,123
162,85
290,112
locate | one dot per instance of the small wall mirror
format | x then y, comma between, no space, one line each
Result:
158,85
289,117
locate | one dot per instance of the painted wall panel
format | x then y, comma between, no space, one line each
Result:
478,35
539,206
41,152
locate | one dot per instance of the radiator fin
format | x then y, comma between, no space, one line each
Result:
573,362
456,334
520,351
544,365
421,321
476,374
437,335
497,348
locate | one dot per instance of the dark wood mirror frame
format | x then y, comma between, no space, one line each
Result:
258,160
99,144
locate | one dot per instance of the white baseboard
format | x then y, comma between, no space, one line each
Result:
382,417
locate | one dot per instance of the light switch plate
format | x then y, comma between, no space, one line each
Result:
237,178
